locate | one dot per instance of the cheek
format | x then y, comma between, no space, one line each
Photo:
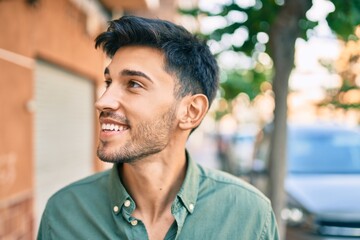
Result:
156,105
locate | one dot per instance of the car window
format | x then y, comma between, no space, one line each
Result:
324,152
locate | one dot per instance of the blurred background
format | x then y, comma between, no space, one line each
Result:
286,118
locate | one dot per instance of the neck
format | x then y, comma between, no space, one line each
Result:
154,182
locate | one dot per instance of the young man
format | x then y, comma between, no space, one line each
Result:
160,84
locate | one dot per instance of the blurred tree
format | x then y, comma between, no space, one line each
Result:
236,82
348,67
271,28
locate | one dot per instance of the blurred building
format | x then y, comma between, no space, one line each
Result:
50,77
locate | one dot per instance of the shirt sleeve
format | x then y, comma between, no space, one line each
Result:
270,229
43,233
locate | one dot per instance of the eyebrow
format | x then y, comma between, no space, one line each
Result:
129,72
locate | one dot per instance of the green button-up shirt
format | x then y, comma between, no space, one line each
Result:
210,205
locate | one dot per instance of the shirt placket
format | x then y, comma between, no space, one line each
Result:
138,230
180,213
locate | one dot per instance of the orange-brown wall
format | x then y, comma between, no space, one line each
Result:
53,31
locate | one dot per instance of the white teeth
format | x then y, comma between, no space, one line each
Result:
112,127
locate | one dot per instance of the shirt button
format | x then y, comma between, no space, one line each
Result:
127,203
191,206
134,222
116,209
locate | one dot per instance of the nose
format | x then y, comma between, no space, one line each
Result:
107,102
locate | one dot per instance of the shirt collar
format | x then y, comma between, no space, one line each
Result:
188,192
117,191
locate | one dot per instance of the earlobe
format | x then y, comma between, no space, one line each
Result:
194,111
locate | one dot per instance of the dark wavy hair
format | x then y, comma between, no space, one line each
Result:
186,56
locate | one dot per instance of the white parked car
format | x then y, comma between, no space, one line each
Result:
323,178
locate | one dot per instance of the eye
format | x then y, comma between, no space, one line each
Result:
134,84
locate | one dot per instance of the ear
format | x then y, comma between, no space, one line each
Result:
193,111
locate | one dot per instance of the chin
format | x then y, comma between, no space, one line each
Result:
106,154
109,155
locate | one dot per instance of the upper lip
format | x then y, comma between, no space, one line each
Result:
105,120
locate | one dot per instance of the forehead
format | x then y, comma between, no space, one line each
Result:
146,61
140,58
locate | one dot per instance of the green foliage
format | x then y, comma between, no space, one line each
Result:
335,100
192,12
237,81
230,29
346,86
344,106
304,26
345,18
260,18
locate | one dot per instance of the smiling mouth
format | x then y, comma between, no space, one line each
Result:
113,127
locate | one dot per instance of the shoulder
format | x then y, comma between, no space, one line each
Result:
227,199
83,188
81,200
90,181
231,187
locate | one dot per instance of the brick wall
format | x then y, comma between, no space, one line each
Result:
53,31
16,218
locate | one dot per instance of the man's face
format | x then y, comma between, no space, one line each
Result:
138,107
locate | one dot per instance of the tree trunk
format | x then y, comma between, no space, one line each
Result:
283,35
